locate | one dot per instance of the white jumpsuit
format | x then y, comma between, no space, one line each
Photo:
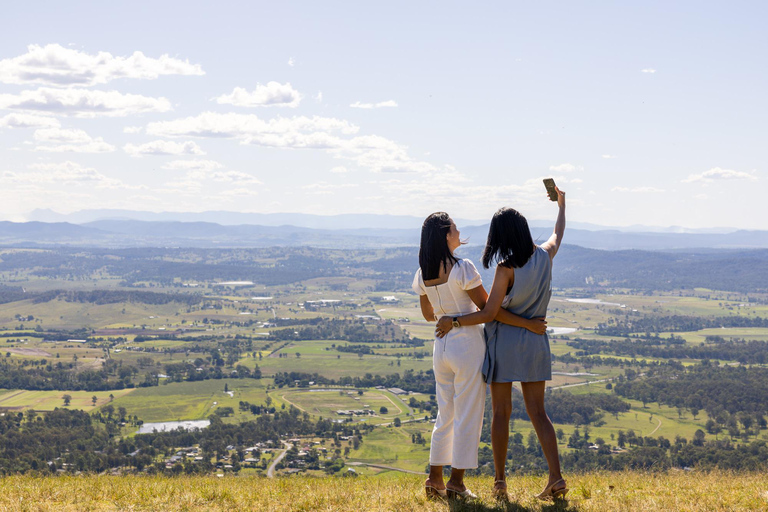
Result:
457,361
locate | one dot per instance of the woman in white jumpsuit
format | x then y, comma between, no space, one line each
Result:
449,286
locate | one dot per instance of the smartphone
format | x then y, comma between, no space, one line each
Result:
549,183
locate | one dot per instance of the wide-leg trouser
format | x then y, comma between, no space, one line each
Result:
457,360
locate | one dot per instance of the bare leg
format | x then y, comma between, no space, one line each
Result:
456,482
501,400
435,477
533,394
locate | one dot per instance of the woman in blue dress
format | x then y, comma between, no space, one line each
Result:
521,285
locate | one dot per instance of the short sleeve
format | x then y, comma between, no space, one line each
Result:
417,286
470,277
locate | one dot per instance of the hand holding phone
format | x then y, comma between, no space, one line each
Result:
549,183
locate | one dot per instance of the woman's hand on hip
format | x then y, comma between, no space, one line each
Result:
444,325
537,325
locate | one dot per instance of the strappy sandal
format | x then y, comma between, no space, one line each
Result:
500,493
433,493
466,494
552,494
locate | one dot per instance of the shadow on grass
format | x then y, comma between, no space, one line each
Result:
476,506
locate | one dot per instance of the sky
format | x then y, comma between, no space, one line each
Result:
645,113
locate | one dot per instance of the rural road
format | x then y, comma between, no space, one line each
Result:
271,470
581,384
657,427
384,467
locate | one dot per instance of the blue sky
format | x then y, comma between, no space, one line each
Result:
645,112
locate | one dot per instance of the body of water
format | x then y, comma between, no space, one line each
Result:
561,330
594,301
167,426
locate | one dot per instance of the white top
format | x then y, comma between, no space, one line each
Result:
450,298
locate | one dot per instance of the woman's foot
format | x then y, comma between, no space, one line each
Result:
555,489
500,490
455,493
435,490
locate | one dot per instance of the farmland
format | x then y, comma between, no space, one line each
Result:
333,339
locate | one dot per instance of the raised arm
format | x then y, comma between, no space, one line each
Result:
553,244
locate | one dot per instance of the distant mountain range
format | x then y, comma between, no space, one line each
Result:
304,220
146,233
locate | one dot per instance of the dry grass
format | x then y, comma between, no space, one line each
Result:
603,492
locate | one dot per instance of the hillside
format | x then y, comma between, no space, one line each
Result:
627,491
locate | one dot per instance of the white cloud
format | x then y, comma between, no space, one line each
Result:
83,102
323,188
270,95
193,165
719,174
229,195
70,141
381,104
133,129
28,121
211,124
638,190
339,170
164,147
371,151
56,65
234,176
609,156
648,70
318,97
63,173
565,168
291,61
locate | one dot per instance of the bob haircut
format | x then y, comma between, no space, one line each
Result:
433,249
509,240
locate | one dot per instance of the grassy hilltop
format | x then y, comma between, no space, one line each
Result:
621,491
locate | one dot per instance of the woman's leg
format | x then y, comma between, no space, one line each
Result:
466,355
501,400
435,478
533,394
456,482
441,446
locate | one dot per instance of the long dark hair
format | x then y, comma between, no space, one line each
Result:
509,240
433,250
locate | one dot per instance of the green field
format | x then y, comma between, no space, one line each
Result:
49,400
326,403
392,446
192,400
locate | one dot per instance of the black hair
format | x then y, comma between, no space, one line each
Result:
509,240
433,250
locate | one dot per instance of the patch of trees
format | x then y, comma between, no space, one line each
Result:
117,296
59,375
11,294
676,323
355,349
715,389
421,381
348,330
184,371
715,347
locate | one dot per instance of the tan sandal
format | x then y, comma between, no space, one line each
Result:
500,493
466,494
552,494
433,493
